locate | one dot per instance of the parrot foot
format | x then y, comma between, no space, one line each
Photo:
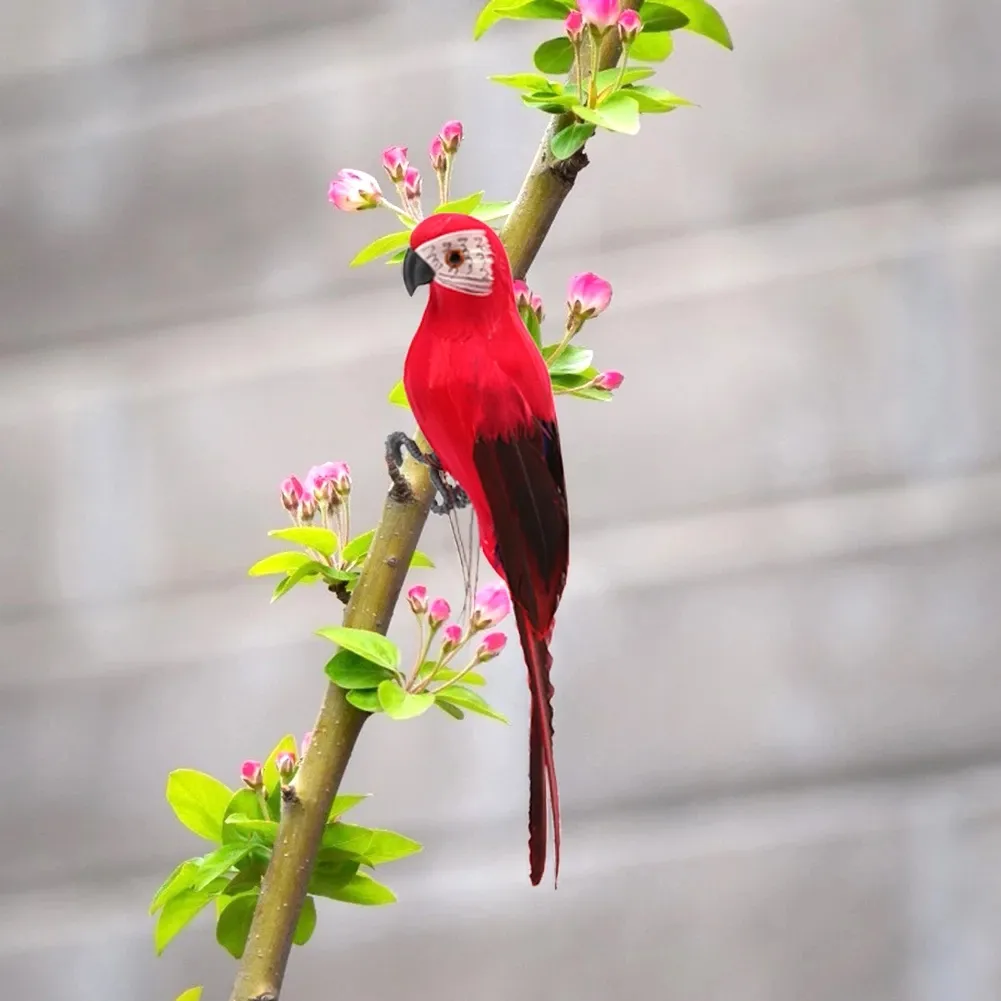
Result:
453,497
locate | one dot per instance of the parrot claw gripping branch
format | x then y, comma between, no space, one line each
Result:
482,384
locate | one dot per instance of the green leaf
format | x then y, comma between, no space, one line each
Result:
465,698
554,56
233,926
398,395
655,100
271,778
660,17
365,699
180,879
306,924
444,674
549,105
347,670
306,574
373,647
592,393
250,875
454,711
397,257
374,847
268,829
572,360
532,324
245,802
199,800
463,205
606,78
497,10
321,539
420,559
618,114
191,994
651,47
567,141
703,19
344,802
490,211
177,912
219,862
330,876
384,245
278,563
362,889
357,549
398,704
525,81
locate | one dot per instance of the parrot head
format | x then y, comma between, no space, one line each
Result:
457,255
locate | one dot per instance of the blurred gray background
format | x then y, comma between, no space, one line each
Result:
787,525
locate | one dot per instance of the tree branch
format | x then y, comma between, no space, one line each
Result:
286,883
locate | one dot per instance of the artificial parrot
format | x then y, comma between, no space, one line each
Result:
482,396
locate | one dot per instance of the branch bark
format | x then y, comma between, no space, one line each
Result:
286,883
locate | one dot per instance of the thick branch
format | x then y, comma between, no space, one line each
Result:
371,607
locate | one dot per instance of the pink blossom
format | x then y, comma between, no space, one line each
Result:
417,598
609,380
291,494
327,477
491,604
601,13
307,739
492,645
438,611
307,509
451,136
436,151
354,190
394,159
412,184
252,774
286,765
588,295
451,638
536,306
574,26
522,293
630,25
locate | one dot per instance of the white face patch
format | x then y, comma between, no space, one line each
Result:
462,261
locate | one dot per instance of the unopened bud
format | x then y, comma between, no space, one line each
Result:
451,136
436,151
609,380
292,492
412,184
252,774
491,604
451,638
417,599
574,26
438,611
394,160
630,25
492,645
286,765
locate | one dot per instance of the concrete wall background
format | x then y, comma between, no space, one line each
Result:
795,534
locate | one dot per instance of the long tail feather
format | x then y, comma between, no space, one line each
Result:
542,766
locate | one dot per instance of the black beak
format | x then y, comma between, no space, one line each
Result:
416,271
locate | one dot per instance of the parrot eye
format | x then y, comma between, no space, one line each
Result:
454,257
462,261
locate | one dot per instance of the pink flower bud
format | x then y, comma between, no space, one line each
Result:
412,184
536,305
307,739
574,26
491,604
451,638
609,380
291,494
522,293
630,25
307,509
252,774
492,645
354,190
417,598
328,481
286,765
451,136
600,13
588,295
437,153
438,611
394,159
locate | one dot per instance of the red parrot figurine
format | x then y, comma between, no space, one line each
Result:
481,393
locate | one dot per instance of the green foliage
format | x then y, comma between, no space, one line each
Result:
312,536
398,395
348,670
572,360
703,18
617,113
387,244
463,698
246,824
464,205
554,56
567,141
399,704
660,17
278,563
516,10
652,46
191,994
371,646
